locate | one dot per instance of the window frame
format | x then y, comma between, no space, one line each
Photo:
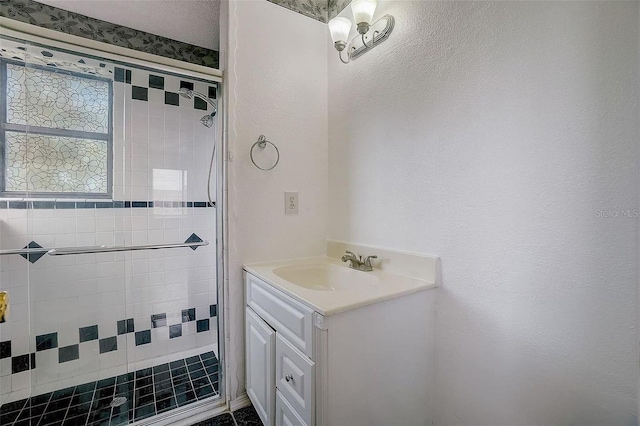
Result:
51,131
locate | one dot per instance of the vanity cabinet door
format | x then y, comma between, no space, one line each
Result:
285,414
260,350
295,378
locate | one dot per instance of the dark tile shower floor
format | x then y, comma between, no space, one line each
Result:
146,392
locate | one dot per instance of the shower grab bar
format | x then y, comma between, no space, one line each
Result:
64,251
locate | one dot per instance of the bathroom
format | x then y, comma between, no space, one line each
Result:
499,139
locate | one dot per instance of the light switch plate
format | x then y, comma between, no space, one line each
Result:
290,203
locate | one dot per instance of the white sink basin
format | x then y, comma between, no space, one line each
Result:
326,277
328,286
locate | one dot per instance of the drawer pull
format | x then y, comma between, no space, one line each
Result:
288,378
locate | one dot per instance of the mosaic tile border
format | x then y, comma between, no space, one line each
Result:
61,20
91,333
147,392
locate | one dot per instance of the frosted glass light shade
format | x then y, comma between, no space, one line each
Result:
363,10
339,28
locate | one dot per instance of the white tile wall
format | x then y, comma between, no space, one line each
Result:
161,153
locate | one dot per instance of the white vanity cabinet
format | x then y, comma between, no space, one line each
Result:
279,347
260,347
364,366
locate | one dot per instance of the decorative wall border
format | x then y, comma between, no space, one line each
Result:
314,9
61,20
320,10
67,22
336,6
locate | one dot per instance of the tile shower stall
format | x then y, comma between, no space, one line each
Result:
96,153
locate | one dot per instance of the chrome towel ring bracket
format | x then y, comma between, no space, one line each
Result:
262,144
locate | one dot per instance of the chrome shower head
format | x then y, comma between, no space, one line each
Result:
207,120
186,93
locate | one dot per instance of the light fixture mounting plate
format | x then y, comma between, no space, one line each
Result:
378,32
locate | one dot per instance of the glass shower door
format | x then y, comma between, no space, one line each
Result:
57,180
114,297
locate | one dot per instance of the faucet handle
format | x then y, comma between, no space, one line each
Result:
351,258
367,260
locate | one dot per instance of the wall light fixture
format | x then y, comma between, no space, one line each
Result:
370,35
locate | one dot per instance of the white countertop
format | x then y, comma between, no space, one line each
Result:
355,291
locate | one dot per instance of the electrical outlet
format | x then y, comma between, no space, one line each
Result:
290,203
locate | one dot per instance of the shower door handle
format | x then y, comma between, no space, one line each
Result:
4,305
112,249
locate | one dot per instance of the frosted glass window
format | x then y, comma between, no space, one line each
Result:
57,133
38,97
44,163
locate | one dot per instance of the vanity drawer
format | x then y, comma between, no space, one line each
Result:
287,316
285,414
295,375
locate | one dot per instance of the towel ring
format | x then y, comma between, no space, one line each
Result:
262,143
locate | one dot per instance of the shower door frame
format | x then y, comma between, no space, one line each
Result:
205,409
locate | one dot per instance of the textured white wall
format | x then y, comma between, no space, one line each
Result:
277,84
489,133
190,21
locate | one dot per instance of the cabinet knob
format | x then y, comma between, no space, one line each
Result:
288,377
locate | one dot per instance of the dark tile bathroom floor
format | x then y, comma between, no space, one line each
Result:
144,393
246,416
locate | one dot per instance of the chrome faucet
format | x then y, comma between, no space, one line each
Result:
357,262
